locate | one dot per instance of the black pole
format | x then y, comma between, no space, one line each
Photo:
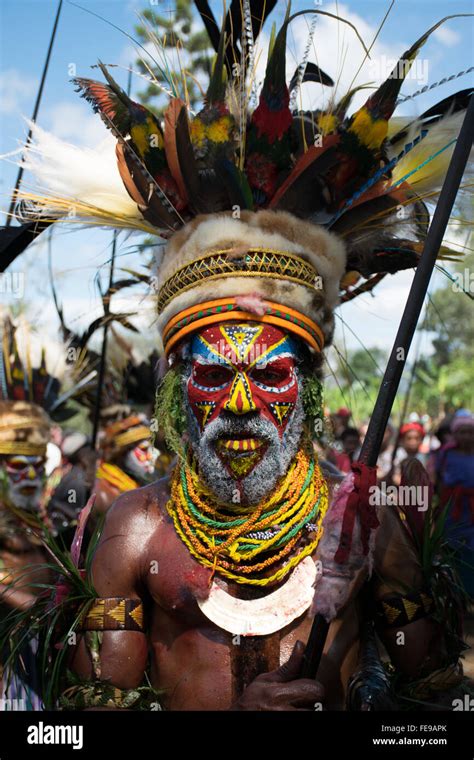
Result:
396,363
103,353
35,113
406,402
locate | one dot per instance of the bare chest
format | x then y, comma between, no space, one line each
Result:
184,588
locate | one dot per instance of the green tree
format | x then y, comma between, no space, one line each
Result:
353,380
450,315
444,379
171,22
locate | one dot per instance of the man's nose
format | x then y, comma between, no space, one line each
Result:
31,473
240,399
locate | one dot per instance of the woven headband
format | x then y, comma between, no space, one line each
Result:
226,262
23,448
133,435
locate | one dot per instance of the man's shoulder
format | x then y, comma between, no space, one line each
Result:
145,505
132,524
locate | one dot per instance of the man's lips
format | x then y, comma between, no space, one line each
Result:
240,444
28,490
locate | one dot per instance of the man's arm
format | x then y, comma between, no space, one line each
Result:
116,572
398,572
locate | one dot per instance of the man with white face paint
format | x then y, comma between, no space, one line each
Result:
128,460
24,434
25,479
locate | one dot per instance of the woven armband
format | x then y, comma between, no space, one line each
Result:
88,695
114,614
399,610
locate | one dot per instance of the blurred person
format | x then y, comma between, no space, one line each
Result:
455,486
441,438
128,460
411,437
340,421
350,441
73,483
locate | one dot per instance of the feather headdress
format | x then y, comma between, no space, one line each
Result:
31,395
269,213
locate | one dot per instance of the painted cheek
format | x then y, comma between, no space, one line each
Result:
206,406
276,407
16,476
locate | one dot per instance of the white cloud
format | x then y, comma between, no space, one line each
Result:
74,122
15,89
446,36
349,54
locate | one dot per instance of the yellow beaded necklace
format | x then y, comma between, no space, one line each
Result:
244,543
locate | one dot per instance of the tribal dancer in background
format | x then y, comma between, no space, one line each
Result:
29,401
206,581
127,460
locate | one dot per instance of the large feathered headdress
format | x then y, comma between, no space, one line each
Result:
271,213
32,397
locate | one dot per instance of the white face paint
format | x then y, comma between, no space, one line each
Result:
139,462
23,480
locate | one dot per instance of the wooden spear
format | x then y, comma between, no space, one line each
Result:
396,363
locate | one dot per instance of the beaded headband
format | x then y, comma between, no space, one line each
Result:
226,262
23,448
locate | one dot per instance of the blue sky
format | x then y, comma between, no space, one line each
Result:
82,39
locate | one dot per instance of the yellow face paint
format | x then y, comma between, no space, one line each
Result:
240,397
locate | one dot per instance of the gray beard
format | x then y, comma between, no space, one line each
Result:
273,465
30,502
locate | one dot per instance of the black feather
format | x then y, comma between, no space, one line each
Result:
312,73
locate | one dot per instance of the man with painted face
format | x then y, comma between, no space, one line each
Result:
270,214
246,413
128,460
222,554
24,434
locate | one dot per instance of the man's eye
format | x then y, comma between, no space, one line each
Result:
17,465
212,376
269,376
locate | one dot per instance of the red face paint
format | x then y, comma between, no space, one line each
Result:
242,369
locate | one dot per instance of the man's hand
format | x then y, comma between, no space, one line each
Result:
282,689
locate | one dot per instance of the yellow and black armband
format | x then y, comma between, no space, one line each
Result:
114,614
398,610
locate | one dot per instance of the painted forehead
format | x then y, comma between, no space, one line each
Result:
243,345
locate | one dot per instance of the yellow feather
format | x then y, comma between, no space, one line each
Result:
431,175
370,133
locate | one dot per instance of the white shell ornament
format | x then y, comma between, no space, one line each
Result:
260,617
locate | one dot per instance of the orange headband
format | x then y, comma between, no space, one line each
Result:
225,309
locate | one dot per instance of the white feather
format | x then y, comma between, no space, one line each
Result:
87,175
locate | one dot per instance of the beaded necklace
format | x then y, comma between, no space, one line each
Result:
244,543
